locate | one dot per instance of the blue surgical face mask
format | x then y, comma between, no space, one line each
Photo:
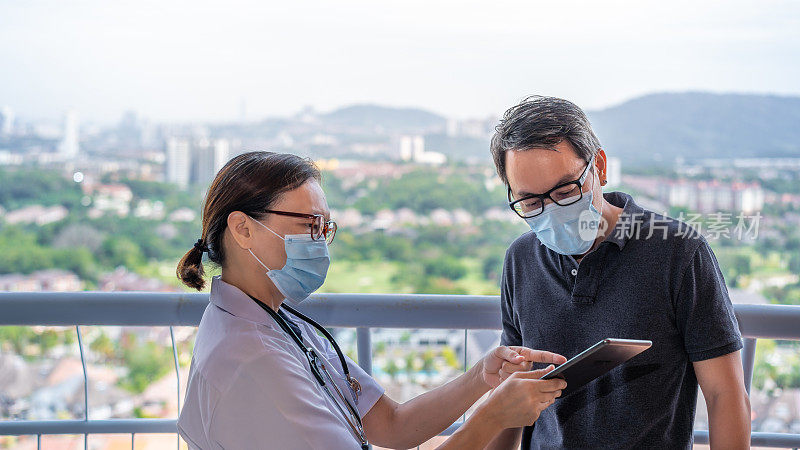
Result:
571,229
306,266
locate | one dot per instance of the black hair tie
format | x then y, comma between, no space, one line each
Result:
200,246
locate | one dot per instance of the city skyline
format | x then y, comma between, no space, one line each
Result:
190,62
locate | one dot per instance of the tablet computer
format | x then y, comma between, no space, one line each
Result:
596,361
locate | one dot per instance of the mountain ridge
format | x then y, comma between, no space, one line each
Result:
654,128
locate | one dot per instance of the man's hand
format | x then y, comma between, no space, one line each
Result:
501,362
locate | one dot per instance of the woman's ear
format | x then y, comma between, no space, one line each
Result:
240,230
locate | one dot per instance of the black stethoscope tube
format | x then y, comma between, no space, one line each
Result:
312,357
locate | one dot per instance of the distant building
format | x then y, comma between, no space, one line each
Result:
115,198
741,296
433,158
475,128
123,280
57,280
349,218
182,215
209,157
6,121
501,215
384,219
19,283
441,217
412,148
68,147
747,198
130,131
451,128
753,163
149,209
178,162
613,172
54,280
7,158
38,214
195,161
472,128
713,196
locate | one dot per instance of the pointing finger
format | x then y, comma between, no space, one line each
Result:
540,356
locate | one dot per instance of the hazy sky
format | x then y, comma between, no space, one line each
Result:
196,60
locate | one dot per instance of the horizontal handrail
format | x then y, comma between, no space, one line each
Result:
107,426
333,310
362,311
151,426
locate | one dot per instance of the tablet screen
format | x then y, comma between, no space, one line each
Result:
596,361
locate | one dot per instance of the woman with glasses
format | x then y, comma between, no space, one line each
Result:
263,375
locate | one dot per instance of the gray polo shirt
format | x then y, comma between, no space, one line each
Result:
653,278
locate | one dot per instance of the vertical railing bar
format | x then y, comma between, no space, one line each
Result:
177,372
132,440
38,442
85,387
85,376
465,350
464,416
178,377
364,347
748,361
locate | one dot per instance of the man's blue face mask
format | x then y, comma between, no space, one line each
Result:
306,266
570,229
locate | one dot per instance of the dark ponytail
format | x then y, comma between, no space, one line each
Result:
250,183
190,268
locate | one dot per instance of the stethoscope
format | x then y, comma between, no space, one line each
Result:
319,371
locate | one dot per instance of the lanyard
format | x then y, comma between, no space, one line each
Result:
320,372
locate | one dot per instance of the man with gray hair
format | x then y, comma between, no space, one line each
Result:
596,266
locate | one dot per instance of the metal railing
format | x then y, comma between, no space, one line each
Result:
360,311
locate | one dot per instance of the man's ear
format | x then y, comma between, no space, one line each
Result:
240,229
600,164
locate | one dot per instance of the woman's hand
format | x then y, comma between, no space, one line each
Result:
518,401
503,361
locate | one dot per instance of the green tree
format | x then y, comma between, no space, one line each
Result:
391,368
492,266
104,346
121,251
428,361
21,187
450,358
794,263
445,267
146,363
742,264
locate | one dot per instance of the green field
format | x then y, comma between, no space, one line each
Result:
376,277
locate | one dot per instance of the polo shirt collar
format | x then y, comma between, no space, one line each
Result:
629,220
236,302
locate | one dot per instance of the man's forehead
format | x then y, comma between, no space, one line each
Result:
539,170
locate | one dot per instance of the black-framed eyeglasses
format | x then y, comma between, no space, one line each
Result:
320,228
562,195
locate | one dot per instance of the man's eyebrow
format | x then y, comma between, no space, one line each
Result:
564,179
